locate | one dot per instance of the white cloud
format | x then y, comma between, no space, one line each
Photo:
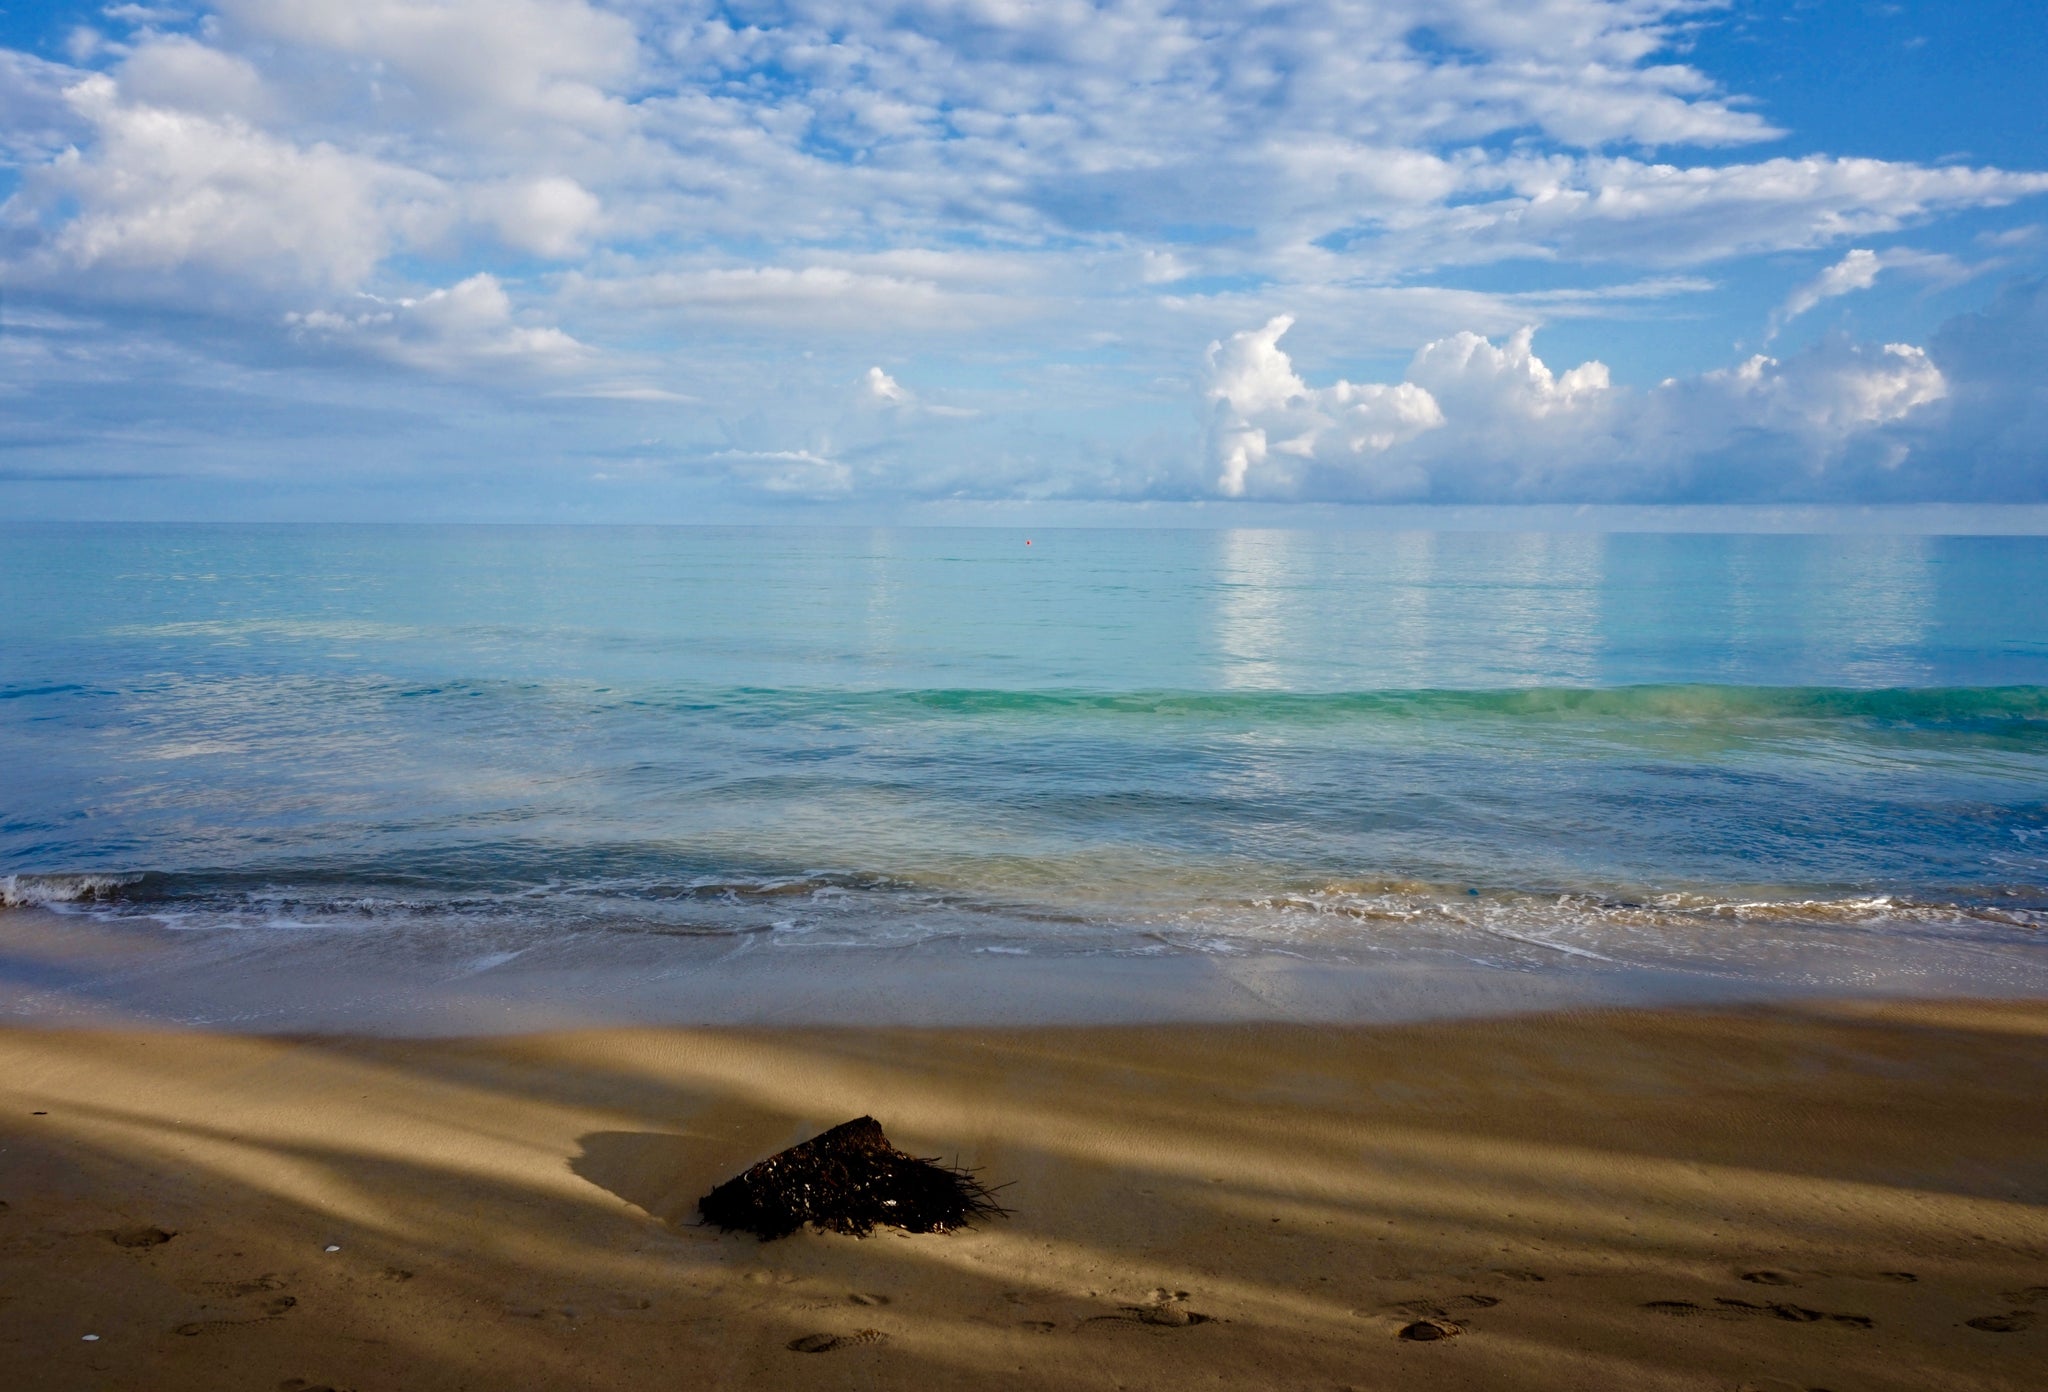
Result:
1665,214
1856,271
552,217
483,65
174,72
1069,135
36,121
810,298
1474,420
169,190
1470,375
789,473
1833,392
881,387
1266,419
881,391
1053,197
1859,271
641,392
145,15
84,43
469,326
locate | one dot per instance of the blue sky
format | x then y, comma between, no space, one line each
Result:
535,259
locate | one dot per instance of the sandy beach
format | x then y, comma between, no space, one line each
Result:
1842,1197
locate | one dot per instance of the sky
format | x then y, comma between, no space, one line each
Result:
528,260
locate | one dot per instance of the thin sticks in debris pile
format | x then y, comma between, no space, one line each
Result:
848,1180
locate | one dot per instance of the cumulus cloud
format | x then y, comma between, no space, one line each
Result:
880,391
1059,199
551,217
1473,420
1266,419
1842,389
466,327
165,190
1510,382
883,389
177,72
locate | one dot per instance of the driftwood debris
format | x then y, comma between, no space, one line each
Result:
848,1180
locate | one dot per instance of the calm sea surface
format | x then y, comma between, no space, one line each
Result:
1524,751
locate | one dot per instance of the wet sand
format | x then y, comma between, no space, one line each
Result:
69,971
1794,1197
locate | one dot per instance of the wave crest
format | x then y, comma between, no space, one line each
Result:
47,891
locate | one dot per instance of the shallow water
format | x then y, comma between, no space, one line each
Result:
1761,758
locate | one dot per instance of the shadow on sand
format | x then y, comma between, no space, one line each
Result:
1684,1200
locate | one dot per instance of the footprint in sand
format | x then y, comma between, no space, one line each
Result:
302,1385
1725,1308
271,1310
235,1290
2012,1322
395,1273
1784,1278
1440,1307
1038,1326
1795,1314
2031,1295
1512,1273
139,1237
827,1343
1164,1309
571,1313
1166,1316
1428,1331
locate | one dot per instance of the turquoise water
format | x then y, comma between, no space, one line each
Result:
1527,751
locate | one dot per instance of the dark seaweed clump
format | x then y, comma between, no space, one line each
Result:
847,1180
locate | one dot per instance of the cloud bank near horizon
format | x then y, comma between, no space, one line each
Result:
1478,422
814,250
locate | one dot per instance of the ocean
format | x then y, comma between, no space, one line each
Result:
465,753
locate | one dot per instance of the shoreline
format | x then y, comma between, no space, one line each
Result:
66,971
1685,1197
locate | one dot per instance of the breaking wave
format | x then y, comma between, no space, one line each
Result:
46,891
1348,920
